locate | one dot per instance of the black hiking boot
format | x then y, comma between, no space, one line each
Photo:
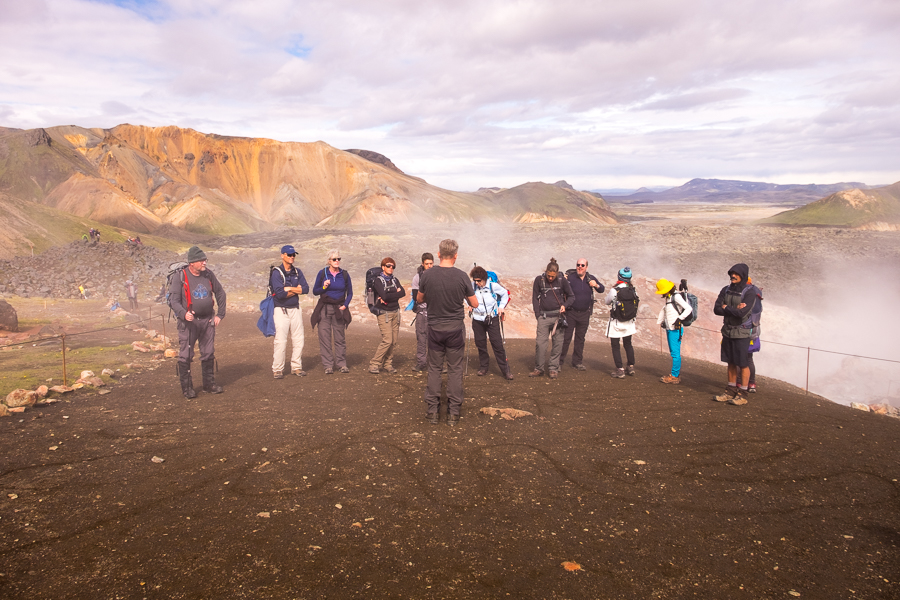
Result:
209,378
184,376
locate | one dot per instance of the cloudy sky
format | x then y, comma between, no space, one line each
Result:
470,93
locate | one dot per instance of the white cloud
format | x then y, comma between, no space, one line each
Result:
474,93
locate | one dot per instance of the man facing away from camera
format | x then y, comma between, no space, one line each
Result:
444,288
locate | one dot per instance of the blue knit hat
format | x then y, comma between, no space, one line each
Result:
625,273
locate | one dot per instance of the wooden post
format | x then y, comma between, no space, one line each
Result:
65,375
807,370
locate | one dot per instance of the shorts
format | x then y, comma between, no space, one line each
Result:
736,351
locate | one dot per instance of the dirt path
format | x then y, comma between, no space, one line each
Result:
336,487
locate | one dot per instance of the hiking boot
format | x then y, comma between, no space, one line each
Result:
329,371
374,370
729,393
481,372
739,399
299,373
629,370
536,373
278,375
554,374
391,370
670,379
452,420
345,369
209,378
184,376
580,367
418,368
433,418
752,388
618,374
508,376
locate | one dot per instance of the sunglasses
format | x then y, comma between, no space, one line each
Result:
292,254
581,265
337,259
388,266
478,280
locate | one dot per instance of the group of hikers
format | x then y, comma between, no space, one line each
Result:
441,295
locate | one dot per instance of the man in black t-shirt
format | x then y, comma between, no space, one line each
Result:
444,288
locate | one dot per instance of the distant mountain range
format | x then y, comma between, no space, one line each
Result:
875,208
723,191
164,179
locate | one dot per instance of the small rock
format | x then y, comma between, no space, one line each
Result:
86,374
157,459
103,392
62,389
140,347
108,372
338,506
18,409
859,406
12,496
264,515
4,410
53,448
42,391
171,353
92,381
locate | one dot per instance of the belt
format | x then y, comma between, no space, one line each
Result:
549,314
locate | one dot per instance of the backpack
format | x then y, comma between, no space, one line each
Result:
371,299
176,269
692,300
625,307
269,290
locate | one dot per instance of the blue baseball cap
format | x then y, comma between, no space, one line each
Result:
288,249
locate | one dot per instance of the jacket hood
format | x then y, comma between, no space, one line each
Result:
741,270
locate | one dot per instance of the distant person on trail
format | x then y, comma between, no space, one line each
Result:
579,316
551,296
288,284
162,294
192,292
388,292
332,313
735,304
672,313
492,300
421,310
621,330
131,293
82,291
444,288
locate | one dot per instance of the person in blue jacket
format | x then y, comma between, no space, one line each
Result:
492,301
332,313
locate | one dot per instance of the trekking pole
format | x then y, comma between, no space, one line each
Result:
466,374
65,376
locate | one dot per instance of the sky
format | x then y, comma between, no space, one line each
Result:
605,94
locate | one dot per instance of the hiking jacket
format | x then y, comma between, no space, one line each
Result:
280,279
737,322
492,298
388,293
340,288
417,306
547,298
582,290
616,328
674,311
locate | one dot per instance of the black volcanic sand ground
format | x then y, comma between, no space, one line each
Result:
656,491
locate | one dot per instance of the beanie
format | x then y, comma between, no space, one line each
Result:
195,254
625,273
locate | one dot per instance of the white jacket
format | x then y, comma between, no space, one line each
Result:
487,303
670,313
619,329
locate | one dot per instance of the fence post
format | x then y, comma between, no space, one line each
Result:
807,370
65,375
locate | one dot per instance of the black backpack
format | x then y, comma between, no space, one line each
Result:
692,300
371,299
625,307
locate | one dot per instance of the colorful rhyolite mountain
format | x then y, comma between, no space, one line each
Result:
876,209
141,178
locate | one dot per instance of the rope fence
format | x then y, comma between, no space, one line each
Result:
809,351
63,335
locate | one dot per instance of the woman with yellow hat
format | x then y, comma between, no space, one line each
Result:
670,317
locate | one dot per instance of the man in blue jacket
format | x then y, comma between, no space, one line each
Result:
579,316
735,303
288,284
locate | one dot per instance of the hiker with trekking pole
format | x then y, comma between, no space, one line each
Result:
551,295
486,321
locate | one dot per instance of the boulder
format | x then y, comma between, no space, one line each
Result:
62,389
92,381
86,374
20,397
42,391
9,320
140,347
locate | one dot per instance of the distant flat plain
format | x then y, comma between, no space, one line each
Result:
698,213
